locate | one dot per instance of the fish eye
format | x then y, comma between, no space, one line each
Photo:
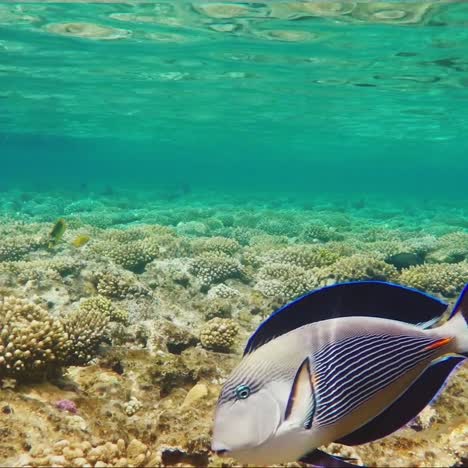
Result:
242,392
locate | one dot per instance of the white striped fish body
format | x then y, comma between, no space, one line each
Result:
359,366
362,365
301,385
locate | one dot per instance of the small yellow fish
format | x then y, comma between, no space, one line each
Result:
57,232
79,241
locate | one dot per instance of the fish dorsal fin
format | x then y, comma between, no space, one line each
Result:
301,403
408,406
362,298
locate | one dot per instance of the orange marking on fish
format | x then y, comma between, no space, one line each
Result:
439,343
314,380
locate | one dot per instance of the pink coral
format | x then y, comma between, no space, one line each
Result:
66,405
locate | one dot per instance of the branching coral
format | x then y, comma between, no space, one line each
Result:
102,305
320,233
132,256
15,248
284,280
118,286
441,278
85,329
218,244
219,334
222,291
451,248
359,267
212,268
306,256
32,343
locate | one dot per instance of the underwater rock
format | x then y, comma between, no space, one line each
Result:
195,393
176,339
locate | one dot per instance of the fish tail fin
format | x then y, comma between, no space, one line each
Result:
457,325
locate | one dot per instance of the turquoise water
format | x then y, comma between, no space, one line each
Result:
172,172
273,96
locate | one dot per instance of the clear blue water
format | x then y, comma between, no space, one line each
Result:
274,96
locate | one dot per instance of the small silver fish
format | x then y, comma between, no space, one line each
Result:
325,369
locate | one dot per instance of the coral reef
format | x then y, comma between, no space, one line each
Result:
212,268
113,353
439,278
219,334
32,343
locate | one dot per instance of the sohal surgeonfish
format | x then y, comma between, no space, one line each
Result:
349,363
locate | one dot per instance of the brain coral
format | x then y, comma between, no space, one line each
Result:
441,278
219,334
31,341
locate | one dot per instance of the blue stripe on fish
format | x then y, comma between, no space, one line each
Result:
363,298
345,384
462,304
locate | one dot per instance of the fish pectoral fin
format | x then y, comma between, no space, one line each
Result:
301,402
319,458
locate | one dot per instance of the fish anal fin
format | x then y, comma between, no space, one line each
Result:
319,458
408,405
